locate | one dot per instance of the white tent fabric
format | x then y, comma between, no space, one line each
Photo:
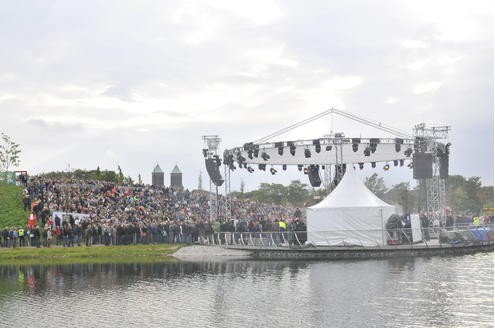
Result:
350,215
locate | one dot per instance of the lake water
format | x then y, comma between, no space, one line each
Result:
411,292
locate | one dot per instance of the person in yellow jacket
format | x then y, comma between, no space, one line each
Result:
21,234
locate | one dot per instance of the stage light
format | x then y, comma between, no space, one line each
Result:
256,153
398,142
307,153
410,165
367,151
265,156
401,162
250,169
273,171
328,148
386,167
396,162
408,152
205,152
323,167
284,167
280,147
293,150
355,144
262,167
317,145
361,166
373,143
447,148
305,170
250,154
373,164
299,167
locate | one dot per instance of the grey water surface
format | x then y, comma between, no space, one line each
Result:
452,291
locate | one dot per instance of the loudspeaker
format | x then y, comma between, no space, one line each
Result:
444,166
314,175
423,165
213,171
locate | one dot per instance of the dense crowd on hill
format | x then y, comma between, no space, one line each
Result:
74,212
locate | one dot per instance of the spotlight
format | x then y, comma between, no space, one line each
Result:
250,169
262,167
386,167
398,142
317,145
396,162
328,148
355,144
305,170
410,165
401,162
280,146
447,148
361,166
367,151
256,153
265,156
323,167
408,152
284,167
373,164
250,154
373,143
293,150
307,153
205,152
273,171
299,167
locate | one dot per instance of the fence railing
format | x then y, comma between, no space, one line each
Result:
395,237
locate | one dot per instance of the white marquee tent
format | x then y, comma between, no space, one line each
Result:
350,215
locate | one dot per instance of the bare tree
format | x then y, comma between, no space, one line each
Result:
9,153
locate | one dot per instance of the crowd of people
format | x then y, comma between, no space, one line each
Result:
74,212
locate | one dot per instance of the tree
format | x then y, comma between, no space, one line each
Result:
242,186
120,175
298,193
402,194
9,153
98,173
376,185
140,180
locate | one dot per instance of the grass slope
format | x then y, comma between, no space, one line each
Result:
93,254
11,207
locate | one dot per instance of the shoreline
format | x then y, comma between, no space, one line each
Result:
89,254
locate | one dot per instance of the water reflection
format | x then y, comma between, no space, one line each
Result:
420,292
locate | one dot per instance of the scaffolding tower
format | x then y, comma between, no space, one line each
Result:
433,191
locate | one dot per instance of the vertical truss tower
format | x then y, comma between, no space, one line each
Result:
433,190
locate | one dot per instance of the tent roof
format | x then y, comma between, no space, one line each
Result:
351,192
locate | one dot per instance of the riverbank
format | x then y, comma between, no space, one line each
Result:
92,254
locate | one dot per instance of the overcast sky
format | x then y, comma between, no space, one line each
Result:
135,83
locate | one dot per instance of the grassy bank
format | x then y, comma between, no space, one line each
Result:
93,254
11,207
